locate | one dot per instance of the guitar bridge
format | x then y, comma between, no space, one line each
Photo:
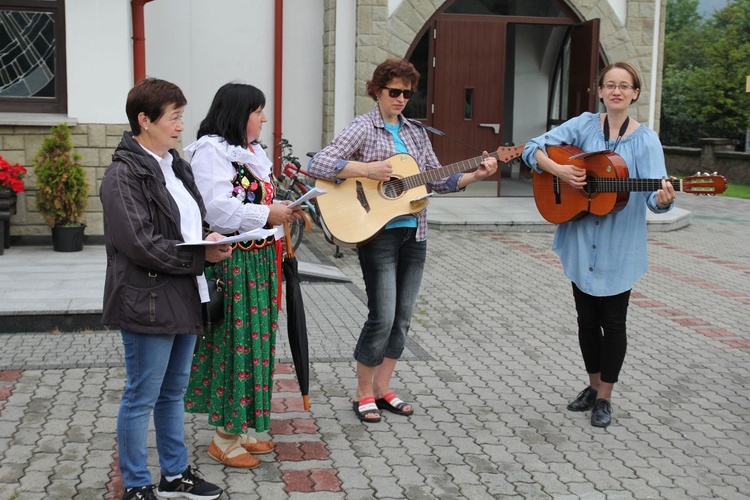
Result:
362,197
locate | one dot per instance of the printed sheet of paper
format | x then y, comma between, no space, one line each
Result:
313,193
255,234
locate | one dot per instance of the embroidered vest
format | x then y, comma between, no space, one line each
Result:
249,189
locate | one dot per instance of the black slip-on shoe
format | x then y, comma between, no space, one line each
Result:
585,400
602,414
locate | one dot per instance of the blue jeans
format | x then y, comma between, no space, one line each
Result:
158,370
392,266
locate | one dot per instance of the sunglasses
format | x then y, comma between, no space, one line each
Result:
397,92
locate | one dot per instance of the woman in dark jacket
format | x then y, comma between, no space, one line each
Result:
154,288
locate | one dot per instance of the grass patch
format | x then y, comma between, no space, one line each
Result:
734,190
737,191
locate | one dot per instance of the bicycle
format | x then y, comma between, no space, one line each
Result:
292,183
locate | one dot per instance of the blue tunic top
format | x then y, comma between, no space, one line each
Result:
606,255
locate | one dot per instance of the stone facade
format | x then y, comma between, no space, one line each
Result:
380,37
94,142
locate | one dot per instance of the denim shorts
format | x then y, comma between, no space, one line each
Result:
392,267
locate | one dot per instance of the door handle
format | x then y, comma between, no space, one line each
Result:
493,126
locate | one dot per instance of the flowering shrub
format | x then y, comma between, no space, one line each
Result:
11,176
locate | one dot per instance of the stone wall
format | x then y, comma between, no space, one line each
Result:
94,142
714,155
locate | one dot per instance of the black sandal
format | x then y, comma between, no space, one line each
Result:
398,408
366,407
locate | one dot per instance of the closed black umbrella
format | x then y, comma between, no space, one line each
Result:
295,318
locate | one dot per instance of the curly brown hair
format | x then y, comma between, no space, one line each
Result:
389,70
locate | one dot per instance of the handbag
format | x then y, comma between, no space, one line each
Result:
215,305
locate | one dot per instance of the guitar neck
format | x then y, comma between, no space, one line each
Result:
626,185
423,178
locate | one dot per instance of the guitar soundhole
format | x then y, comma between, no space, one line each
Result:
393,188
591,185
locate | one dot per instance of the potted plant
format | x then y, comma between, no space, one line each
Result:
11,183
62,189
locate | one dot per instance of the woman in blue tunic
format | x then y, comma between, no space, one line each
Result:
605,255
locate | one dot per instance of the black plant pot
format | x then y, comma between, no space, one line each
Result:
67,238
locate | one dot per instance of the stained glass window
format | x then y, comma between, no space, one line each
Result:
30,61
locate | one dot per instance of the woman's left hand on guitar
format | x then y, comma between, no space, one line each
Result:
487,167
665,196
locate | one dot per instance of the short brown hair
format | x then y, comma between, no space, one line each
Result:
151,96
627,67
392,69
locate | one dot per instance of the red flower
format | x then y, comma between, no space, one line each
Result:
11,176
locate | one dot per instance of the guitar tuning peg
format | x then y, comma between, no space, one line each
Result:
716,173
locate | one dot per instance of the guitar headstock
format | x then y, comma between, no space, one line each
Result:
706,184
509,153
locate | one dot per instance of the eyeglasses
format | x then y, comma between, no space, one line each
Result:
397,92
622,86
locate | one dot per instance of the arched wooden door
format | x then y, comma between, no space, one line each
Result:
468,90
469,72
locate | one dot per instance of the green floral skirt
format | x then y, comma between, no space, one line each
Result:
232,373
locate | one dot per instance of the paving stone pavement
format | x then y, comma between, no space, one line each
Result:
491,363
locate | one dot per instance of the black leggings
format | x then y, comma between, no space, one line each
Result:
601,332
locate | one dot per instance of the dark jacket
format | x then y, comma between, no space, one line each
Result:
150,283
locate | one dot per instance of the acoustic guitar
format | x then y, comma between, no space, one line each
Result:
356,210
607,188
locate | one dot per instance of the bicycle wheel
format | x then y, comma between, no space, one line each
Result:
296,231
296,227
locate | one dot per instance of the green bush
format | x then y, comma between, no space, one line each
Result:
61,180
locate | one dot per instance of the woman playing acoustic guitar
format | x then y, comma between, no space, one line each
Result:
604,255
392,262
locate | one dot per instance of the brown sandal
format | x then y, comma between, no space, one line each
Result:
257,448
242,461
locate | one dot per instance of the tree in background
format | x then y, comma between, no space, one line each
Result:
705,66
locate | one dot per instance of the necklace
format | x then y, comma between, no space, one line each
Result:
623,129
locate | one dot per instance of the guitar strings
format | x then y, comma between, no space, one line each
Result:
400,185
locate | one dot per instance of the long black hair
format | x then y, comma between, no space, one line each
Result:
229,112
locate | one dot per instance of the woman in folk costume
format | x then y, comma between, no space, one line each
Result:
232,372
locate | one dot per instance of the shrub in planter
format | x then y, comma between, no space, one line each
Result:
62,190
